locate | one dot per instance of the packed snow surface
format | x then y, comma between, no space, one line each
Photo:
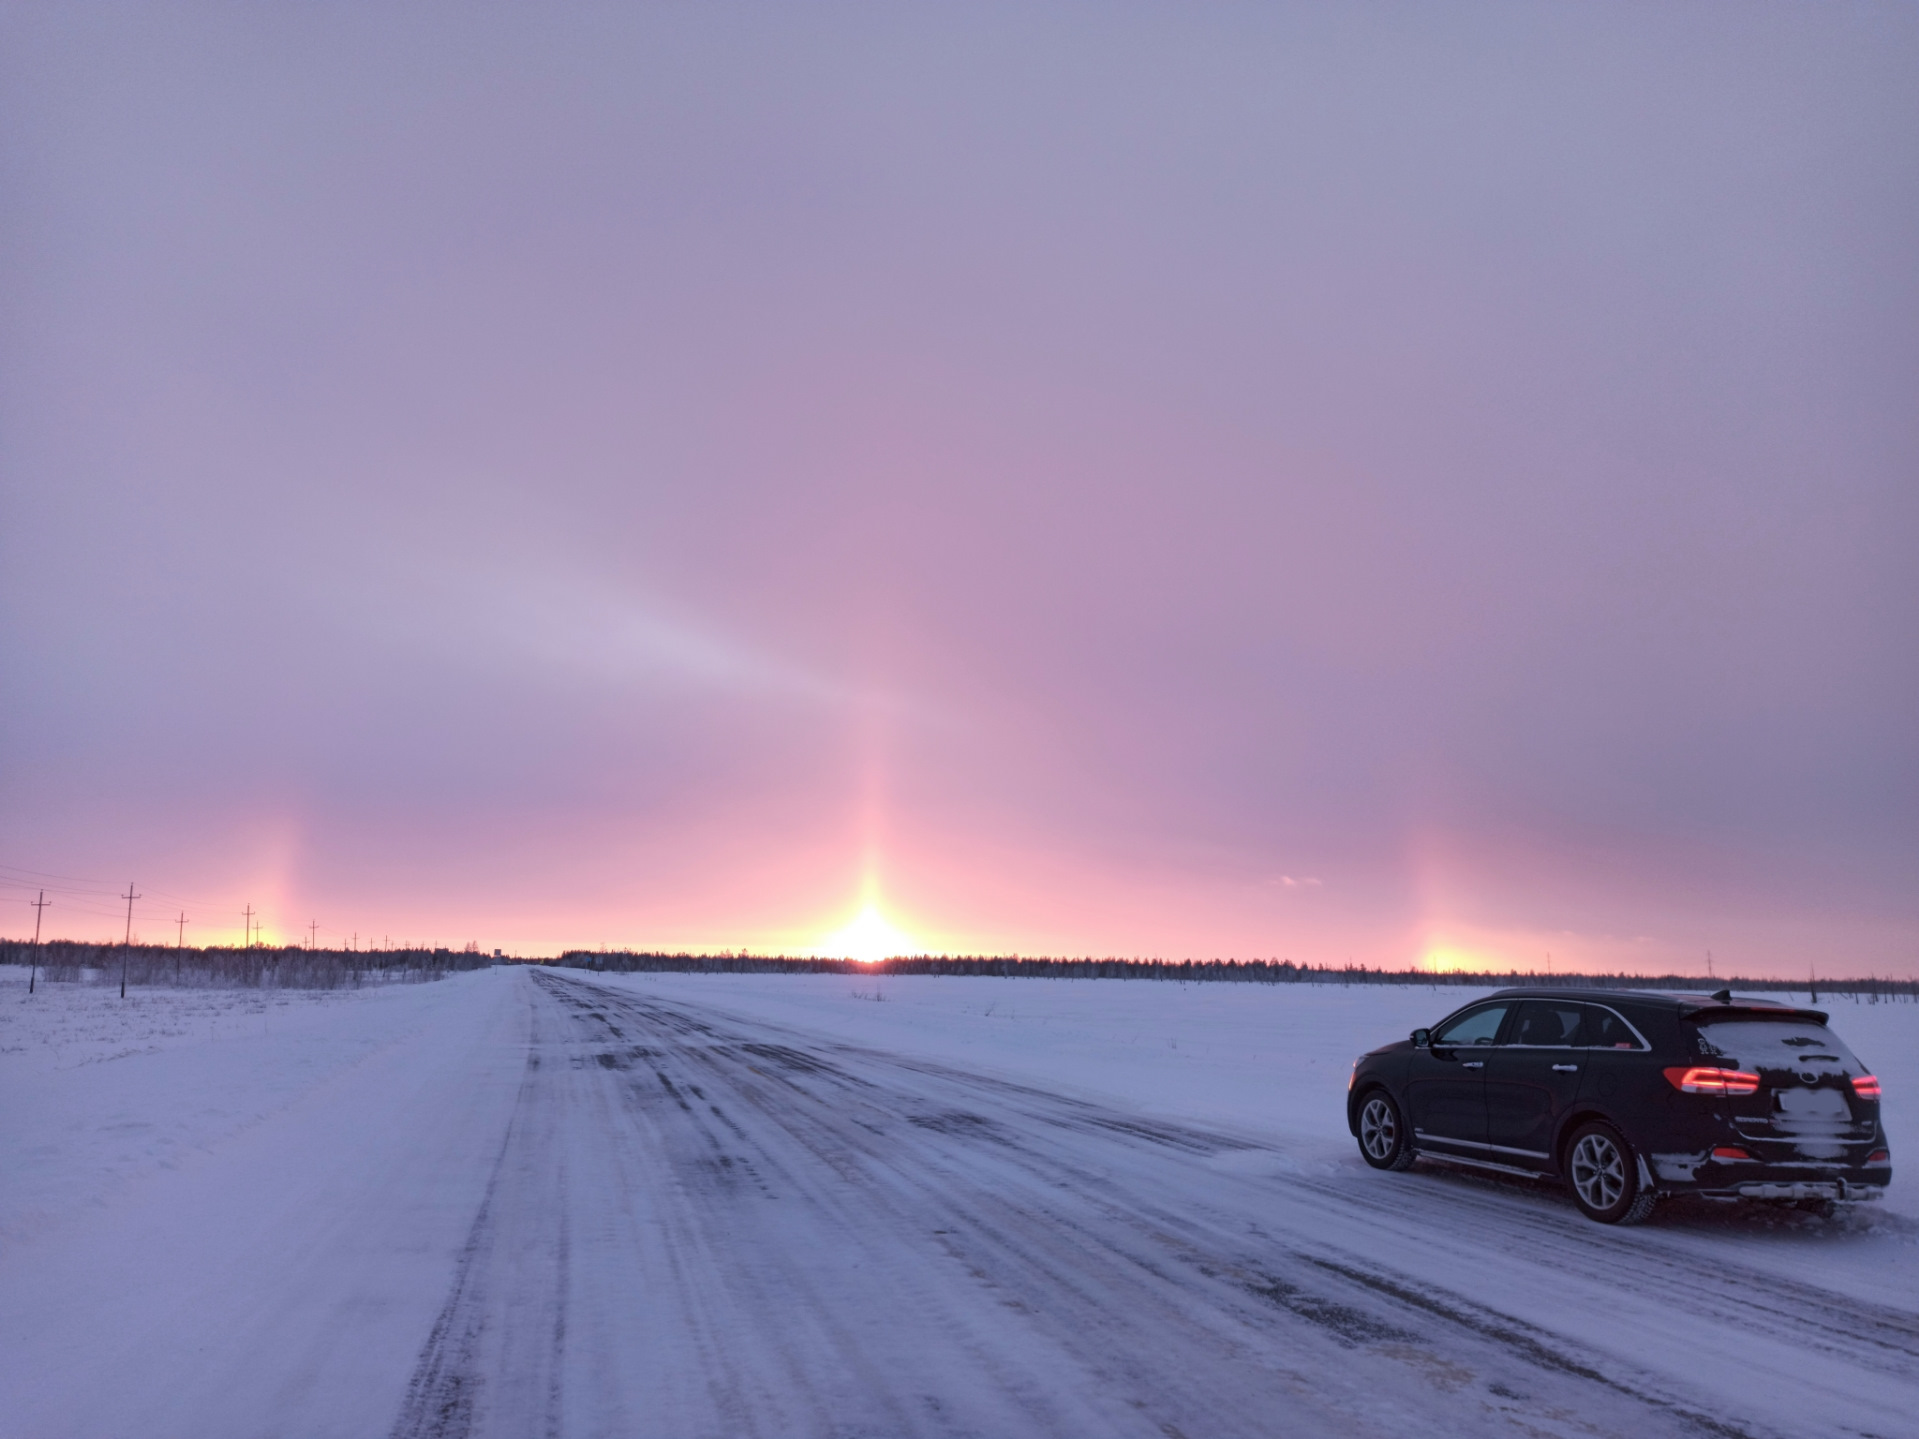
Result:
524,1202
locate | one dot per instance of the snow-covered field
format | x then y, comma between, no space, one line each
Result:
516,1203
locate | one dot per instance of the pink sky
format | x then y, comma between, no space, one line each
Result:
1095,480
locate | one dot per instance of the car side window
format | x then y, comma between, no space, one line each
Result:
1543,1024
1475,1026
1605,1030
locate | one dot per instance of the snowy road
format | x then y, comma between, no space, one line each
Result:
657,1219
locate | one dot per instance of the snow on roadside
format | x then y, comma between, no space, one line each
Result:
100,1091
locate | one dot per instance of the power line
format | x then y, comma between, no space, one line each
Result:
42,874
99,887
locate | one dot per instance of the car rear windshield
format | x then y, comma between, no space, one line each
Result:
1773,1044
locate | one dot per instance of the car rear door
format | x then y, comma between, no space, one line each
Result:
1532,1078
1621,1072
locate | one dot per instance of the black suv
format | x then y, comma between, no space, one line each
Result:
1629,1098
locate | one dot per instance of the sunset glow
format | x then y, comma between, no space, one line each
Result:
869,939
1445,959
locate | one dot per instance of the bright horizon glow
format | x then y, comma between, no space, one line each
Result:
1449,959
869,939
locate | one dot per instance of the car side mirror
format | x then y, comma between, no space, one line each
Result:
1422,1038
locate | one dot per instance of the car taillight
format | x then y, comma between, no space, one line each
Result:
1703,1079
1865,1086
1879,1156
1730,1151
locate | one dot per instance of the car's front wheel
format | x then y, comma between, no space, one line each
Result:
1384,1140
1604,1176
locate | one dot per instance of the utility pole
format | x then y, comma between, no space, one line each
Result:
180,930
248,912
127,943
33,967
313,930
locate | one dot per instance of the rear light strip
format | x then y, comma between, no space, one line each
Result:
1865,1086
1703,1079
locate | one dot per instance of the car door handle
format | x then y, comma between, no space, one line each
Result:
1472,1064
1565,1069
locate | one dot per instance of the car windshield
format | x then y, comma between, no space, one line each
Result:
1773,1044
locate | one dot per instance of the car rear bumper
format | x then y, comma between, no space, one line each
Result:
1803,1189
1766,1181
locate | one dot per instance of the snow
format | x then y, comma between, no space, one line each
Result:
1271,1060
498,1204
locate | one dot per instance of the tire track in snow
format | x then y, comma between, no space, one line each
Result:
446,1397
440,1395
1859,1332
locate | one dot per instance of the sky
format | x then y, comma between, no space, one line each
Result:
1385,485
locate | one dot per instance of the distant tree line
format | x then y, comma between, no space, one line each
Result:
1218,971
256,967
297,967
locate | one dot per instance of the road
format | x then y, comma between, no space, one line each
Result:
679,1223
698,1227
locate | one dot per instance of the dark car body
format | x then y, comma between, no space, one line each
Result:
1723,1098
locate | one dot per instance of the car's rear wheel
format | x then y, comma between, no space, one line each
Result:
1603,1174
1384,1140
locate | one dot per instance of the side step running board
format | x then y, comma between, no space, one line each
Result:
1493,1165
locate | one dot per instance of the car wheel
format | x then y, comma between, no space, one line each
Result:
1384,1141
1603,1174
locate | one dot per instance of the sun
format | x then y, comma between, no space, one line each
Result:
869,939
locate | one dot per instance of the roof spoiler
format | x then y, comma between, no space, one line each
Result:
1725,1006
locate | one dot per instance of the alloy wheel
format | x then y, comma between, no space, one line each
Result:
1378,1129
1598,1171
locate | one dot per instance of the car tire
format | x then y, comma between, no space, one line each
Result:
1384,1140
1603,1174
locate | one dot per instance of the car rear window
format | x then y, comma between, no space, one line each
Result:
1773,1043
1606,1030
